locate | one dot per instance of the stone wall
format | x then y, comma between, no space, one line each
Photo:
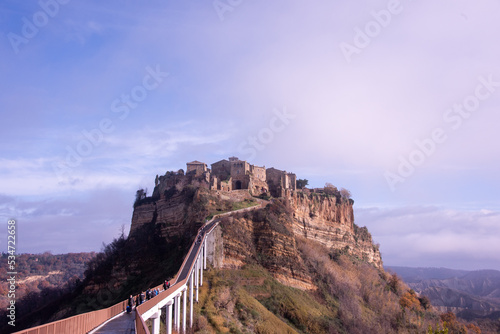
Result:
215,248
258,173
196,167
221,169
279,181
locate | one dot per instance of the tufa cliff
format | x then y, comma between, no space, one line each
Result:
270,236
329,220
266,235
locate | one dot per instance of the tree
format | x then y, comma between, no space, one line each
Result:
451,322
330,189
140,195
345,194
301,183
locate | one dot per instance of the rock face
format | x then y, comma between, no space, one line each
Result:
173,215
180,204
269,236
330,221
265,237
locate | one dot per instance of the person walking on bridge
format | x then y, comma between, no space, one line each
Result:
137,300
130,304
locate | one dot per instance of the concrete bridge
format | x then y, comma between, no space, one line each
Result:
173,301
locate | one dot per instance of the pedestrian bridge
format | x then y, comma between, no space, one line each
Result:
176,302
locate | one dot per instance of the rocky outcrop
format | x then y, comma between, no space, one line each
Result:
264,237
174,216
330,221
268,236
180,204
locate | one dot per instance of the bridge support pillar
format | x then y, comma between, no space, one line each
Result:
156,322
201,270
178,312
168,321
197,278
191,300
205,254
184,295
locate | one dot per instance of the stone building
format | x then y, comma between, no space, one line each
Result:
241,174
228,175
280,181
196,167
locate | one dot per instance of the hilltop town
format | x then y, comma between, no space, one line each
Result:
232,174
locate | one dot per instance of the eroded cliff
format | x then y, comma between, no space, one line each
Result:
330,221
270,236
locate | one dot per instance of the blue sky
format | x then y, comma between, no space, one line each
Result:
395,100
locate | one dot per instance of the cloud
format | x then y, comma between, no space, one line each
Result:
78,223
433,236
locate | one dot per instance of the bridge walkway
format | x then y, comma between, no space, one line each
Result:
122,324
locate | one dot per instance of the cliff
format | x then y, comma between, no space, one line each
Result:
180,204
270,236
330,221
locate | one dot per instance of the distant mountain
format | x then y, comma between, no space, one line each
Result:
469,294
38,272
412,275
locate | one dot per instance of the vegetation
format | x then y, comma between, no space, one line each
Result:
362,233
228,206
142,198
36,272
345,194
352,297
43,279
302,183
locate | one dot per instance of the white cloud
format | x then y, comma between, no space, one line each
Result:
432,236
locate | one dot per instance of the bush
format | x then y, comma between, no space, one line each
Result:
362,233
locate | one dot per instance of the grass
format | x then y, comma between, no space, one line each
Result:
250,300
247,203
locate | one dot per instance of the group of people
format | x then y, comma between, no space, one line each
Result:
143,296
200,233
148,294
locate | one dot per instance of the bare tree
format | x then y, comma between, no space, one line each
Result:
345,194
330,189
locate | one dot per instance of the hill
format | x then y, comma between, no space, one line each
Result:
297,263
472,295
37,273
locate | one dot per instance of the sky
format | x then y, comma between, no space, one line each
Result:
397,101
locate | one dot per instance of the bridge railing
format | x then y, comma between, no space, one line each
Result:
140,325
81,323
